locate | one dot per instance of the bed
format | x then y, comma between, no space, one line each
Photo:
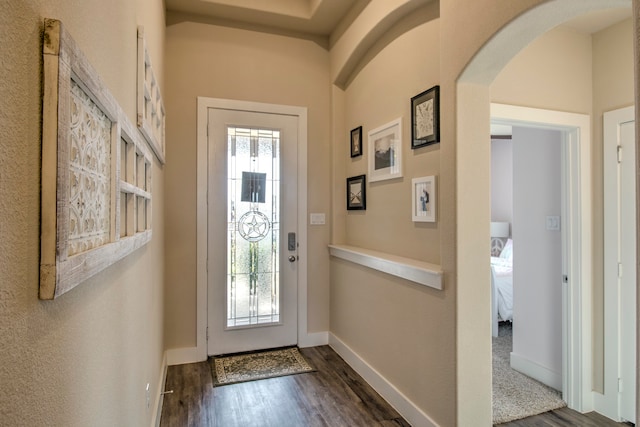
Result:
502,287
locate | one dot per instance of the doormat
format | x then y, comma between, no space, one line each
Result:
257,366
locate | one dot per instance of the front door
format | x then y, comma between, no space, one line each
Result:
252,242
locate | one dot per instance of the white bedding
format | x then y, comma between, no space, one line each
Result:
503,278
502,286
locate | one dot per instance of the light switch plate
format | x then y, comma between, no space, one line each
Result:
317,219
553,223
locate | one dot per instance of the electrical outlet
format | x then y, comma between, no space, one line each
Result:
148,396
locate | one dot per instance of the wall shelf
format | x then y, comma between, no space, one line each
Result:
419,272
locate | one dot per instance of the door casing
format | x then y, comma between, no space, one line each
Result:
609,402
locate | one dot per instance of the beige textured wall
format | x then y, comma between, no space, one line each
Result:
380,93
369,310
85,358
553,72
219,62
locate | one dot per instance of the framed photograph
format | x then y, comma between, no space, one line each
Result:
356,142
425,118
423,199
385,151
356,193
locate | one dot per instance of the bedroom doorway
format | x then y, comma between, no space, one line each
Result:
472,114
548,354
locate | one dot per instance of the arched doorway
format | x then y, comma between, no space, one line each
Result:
472,182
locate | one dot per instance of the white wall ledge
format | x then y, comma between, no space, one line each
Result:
419,272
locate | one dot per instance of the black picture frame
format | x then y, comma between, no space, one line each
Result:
425,118
356,142
357,193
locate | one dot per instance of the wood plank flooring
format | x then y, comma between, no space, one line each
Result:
333,396
565,417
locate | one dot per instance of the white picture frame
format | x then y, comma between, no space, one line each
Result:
424,198
385,151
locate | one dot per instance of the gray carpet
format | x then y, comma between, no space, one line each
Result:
515,395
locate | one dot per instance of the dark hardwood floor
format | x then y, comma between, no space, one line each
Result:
565,417
334,396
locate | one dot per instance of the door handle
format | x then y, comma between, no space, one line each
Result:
293,258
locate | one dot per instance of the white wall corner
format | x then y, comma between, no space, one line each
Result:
401,403
313,339
180,356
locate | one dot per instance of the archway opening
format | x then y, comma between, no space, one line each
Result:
473,188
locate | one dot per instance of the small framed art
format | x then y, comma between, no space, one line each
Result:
385,151
423,199
356,142
425,118
356,193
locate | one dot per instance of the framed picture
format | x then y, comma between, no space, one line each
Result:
385,151
96,171
356,193
425,118
356,142
423,199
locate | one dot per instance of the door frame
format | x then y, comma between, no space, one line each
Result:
608,403
576,240
202,279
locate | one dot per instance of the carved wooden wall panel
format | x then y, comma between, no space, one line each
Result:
85,225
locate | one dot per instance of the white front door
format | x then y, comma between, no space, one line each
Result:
252,223
620,263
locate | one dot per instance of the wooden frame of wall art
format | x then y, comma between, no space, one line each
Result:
96,171
425,118
385,151
357,193
356,142
151,114
424,199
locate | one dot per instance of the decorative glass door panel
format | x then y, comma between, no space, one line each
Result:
253,238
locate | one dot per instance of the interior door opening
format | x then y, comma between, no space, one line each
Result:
574,181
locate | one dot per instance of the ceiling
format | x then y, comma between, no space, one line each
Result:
323,17
311,17
322,21
599,20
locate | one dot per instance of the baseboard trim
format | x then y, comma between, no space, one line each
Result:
180,356
313,339
159,400
388,391
536,371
